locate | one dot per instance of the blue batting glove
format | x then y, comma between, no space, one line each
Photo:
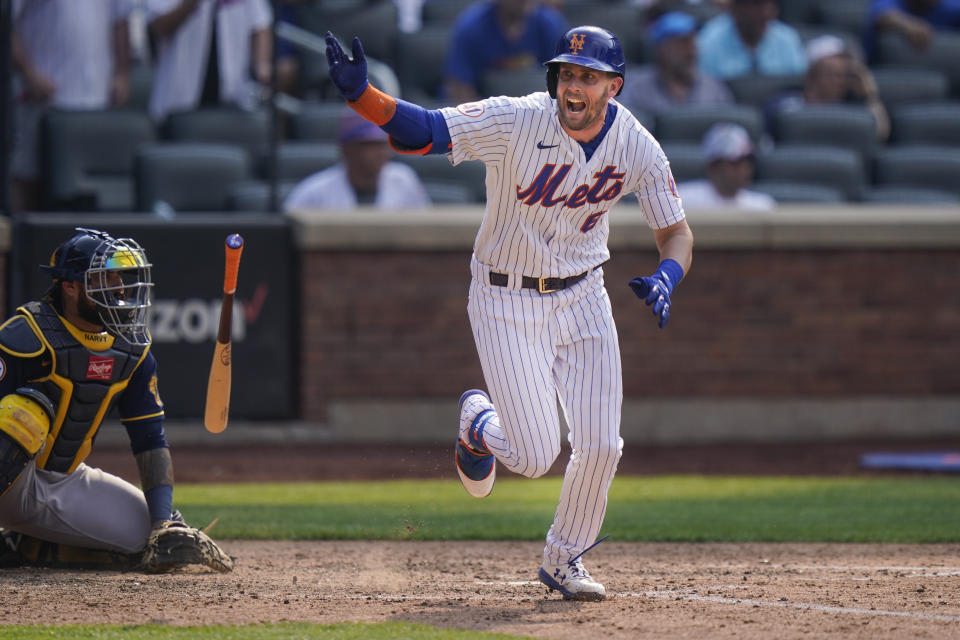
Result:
655,290
349,75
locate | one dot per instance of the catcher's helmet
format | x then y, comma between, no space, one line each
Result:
116,277
586,46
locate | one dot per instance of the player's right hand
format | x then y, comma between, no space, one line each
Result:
349,75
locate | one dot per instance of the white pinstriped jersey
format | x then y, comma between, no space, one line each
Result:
547,211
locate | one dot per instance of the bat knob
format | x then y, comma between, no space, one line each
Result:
234,241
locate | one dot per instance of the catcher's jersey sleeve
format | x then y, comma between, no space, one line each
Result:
548,204
141,399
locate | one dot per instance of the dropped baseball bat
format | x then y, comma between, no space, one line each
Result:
217,408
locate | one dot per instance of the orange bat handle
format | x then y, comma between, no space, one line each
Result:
233,248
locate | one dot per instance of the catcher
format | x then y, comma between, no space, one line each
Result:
65,361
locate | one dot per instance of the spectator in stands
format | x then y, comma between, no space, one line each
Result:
207,52
673,78
498,35
365,177
835,75
750,40
66,55
728,151
915,20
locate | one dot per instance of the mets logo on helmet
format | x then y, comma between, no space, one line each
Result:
576,43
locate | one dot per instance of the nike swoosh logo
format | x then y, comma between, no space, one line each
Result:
540,145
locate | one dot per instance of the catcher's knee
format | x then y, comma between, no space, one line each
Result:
25,418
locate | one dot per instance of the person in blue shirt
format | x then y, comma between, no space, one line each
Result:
498,35
750,40
914,20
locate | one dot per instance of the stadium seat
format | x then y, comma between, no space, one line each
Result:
840,125
436,169
841,169
892,194
903,85
318,121
86,158
929,123
758,90
141,84
798,11
375,23
190,177
297,160
624,19
254,196
942,55
449,193
249,130
785,192
686,161
918,166
849,15
514,83
690,122
420,62
442,13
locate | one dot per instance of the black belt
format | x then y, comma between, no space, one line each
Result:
543,285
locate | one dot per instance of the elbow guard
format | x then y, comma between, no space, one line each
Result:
25,418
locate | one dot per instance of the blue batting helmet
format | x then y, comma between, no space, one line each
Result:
586,46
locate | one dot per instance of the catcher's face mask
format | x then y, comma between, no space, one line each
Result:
116,278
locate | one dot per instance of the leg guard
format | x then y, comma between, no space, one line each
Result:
25,418
40,553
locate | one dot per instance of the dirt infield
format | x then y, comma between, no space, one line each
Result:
744,591
657,590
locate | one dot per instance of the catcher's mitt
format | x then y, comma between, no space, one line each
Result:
176,544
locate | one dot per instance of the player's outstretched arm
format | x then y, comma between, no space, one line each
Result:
412,128
676,254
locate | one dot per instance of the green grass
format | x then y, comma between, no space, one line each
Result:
663,508
286,631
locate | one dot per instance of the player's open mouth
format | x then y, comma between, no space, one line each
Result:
575,106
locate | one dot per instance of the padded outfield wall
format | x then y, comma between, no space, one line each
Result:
799,324
804,323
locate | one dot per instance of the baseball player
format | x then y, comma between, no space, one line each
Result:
557,162
65,361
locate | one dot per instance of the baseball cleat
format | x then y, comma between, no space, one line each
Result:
476,466
572,580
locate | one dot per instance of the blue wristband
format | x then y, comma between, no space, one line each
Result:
159,502
674,272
